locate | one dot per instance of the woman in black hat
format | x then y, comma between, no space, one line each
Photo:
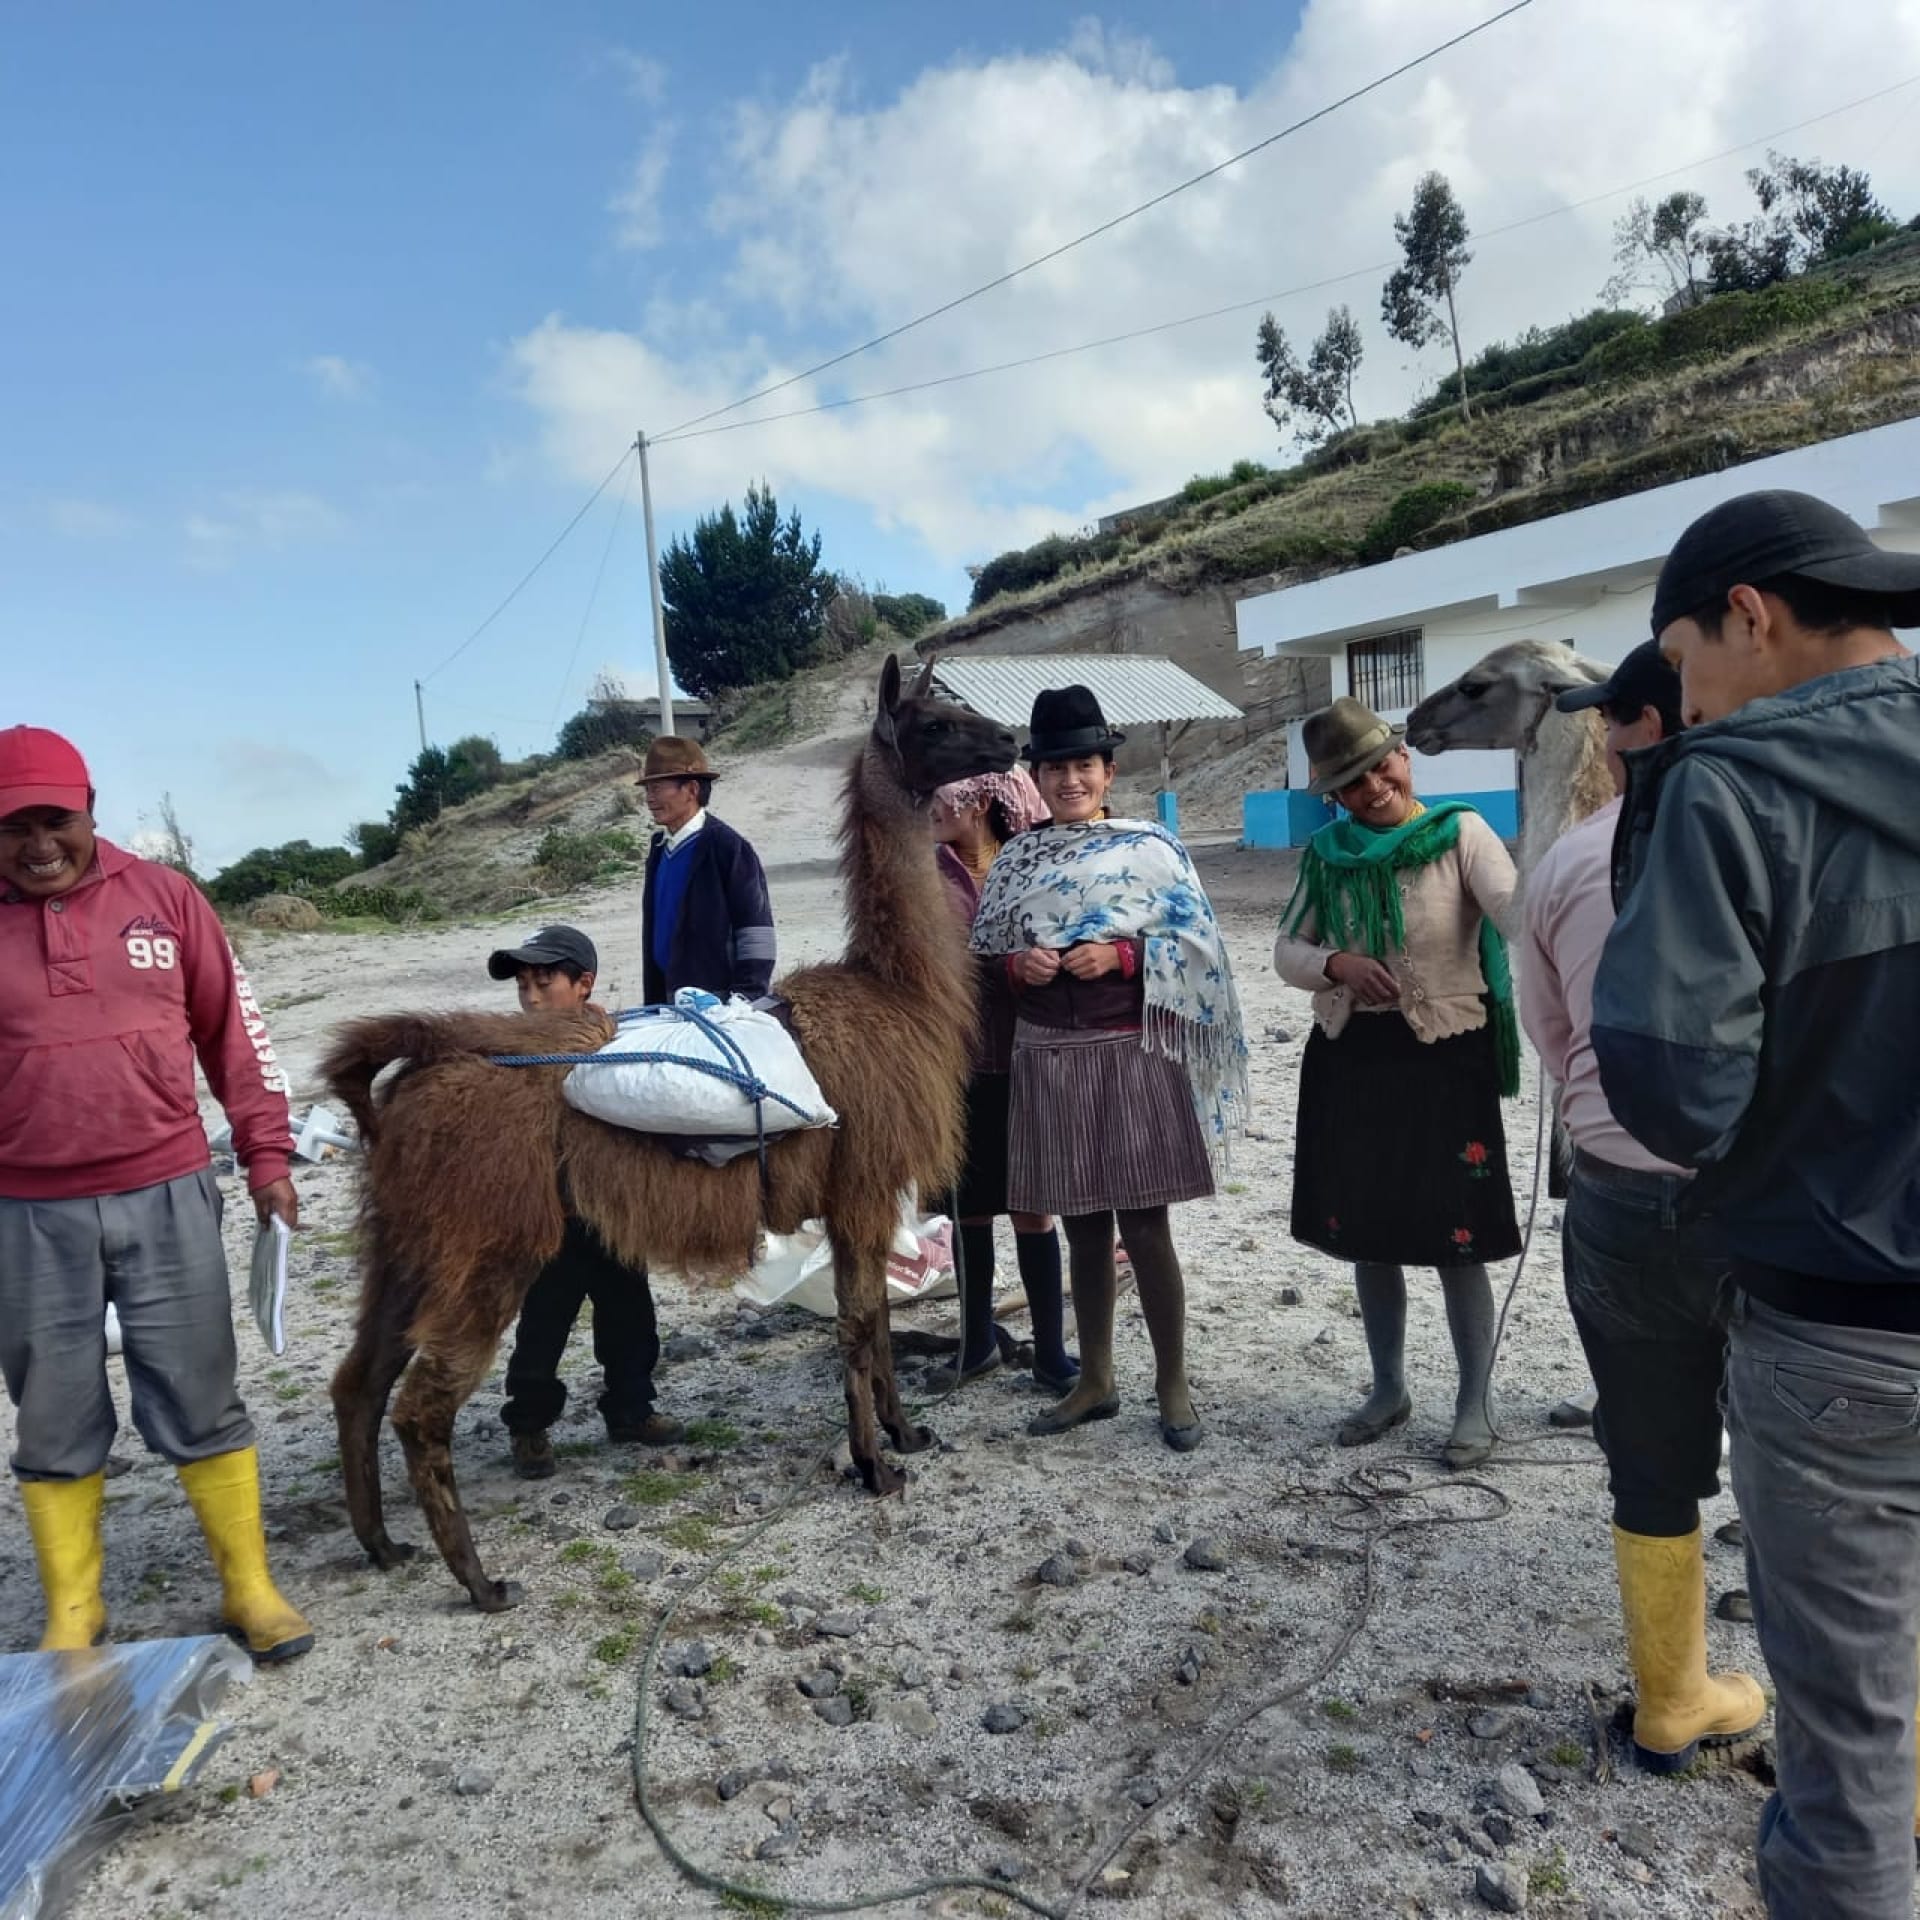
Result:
1129,1065
1400,1160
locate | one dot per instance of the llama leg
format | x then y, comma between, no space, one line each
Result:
905,1436
860,1282
361,1387
437,1387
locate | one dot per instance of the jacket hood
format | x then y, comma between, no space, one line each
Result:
1850,740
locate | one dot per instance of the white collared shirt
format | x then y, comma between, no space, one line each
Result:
681,835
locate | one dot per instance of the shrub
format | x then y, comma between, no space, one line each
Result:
569,859
1411,513
1538,351
291,868
399,905
1720,325
909,614
600,728
290,912
376,841
1203,486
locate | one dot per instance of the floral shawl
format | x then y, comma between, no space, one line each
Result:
1057,886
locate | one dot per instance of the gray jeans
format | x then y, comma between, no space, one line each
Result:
156,1254
1826,1466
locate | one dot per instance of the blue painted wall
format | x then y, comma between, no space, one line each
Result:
1167,807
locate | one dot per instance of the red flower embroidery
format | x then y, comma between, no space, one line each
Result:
1475,1155
1333,1224
1463,1236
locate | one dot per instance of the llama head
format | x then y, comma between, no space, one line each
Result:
1501,700
930,741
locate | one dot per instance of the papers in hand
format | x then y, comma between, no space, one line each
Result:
268,1283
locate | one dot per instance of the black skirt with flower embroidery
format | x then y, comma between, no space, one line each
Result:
1399,1154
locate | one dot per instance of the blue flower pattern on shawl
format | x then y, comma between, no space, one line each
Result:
1059,886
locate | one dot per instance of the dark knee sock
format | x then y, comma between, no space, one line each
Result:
976,1293
1163,1302
1470,1319
1039,1255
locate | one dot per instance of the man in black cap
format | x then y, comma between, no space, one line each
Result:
555,970
1757,1017
1644,1285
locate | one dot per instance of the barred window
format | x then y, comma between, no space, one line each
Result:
1386,672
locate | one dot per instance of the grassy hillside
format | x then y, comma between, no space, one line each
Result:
1739,377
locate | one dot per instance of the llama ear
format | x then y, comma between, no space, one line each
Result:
923,681
1575,673
889,700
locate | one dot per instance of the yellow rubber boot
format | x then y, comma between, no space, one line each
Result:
225,1492
1663,1591
64,1519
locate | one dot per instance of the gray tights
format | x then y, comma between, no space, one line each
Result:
1383,1313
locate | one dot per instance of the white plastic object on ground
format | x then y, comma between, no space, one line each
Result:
796,1270
113,1329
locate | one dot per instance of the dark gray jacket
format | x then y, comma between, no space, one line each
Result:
1757,1009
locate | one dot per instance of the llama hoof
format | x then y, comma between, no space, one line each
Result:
388,1554
881,1479
498,1596
913,1439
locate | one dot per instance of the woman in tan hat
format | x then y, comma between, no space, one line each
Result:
1396,930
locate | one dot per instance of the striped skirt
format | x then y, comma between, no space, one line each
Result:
1100,1123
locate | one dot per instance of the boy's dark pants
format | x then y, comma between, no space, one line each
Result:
626,1341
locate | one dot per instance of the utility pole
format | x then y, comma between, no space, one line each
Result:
661,669
420,713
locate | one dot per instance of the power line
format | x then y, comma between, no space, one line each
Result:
625,454
1267,299
1106,226
599,572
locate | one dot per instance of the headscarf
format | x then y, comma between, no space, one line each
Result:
1060,885
1013,791
1347,884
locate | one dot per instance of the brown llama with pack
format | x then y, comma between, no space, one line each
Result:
470,1167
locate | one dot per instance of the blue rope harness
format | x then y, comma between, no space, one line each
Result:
733,1068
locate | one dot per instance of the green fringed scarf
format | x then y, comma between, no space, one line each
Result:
1347,885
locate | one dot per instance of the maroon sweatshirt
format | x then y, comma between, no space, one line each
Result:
108,994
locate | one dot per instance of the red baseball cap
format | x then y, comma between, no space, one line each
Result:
41,769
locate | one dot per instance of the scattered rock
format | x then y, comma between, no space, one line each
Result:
1516,1792
687,1700
734,1782
644,1566
687,1346
1735,1604
777,1845
1191,1662
821,1684
839,1626
911,1714
1289,1296
1056,1570
1206,1555
1638,1843
471,1782
1003,1717
1730,1533
263,1783
692,1660
560,1499
1498,1828
1426,1817
1423,1766
1163,1531
1076,1547
620,1519
836,1712
1491,1723
1502,1886
1324,1338
1005,1867
912,1676
1142,1790
1137,1562
1551,1774
1476,1841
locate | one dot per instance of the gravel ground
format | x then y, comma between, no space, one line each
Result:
439,1763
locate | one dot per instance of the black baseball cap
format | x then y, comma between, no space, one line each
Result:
1759,536
550,947
1642,679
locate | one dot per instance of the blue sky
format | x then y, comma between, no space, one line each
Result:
323,322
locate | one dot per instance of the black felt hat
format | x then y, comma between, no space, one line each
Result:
1760,536
1067,723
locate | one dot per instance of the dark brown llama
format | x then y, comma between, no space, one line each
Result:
470,1168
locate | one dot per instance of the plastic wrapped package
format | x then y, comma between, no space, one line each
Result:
84,1739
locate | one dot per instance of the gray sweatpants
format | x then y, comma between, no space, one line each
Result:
1826,1466
156,1254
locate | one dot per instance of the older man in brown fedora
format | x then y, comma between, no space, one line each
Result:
706,918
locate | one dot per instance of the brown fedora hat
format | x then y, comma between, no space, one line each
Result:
672,758
1344,741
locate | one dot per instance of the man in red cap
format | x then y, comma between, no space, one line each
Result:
115,976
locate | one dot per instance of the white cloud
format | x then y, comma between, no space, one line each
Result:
78,519
338,378
244,519
636,208
838,217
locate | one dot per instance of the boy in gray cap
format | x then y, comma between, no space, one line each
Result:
1757,1017
556,970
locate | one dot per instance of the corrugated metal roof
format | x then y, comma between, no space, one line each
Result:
1133,690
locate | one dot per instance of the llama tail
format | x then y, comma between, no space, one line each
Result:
363,1049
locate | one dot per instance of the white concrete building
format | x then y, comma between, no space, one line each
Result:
1401,629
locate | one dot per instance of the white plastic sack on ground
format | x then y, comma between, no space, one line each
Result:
797,1268
670,1093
